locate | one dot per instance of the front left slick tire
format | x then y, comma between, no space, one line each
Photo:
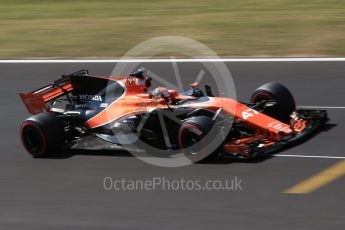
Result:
42,135
194,136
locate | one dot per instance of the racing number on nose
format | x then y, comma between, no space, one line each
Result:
249,113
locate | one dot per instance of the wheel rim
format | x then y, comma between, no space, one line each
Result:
262,96
189,135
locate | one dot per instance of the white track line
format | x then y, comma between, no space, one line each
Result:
320,107
339,59
309,156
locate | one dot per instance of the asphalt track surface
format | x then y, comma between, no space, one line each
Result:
68,193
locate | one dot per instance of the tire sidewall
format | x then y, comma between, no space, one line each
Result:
50,131
204,125
275,91
28,124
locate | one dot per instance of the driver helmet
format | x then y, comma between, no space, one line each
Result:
160,92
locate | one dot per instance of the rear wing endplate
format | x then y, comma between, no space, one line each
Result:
36,101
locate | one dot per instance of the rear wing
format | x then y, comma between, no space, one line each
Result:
36,100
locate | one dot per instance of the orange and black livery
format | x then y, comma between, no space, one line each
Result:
78,107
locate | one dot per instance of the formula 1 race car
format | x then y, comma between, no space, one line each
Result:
87,112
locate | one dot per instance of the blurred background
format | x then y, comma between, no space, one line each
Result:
109,28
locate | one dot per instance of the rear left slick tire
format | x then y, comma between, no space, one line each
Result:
42,135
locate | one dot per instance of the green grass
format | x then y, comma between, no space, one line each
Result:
109,28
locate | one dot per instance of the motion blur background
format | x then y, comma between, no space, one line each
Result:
109,28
